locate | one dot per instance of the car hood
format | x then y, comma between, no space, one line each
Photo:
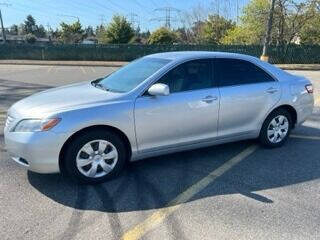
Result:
62,98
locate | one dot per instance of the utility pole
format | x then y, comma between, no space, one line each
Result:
266,44
168,19
1,20
237,11
3,31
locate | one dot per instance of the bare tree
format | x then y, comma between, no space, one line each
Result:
268,34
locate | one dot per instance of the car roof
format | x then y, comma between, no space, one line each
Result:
189,55
185,55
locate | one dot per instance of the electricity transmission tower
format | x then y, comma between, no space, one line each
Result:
168,18
102,19
1,21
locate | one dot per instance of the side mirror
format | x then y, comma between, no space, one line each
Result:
159,89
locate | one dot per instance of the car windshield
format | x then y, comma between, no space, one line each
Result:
131,75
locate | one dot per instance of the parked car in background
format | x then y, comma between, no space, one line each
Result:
156,105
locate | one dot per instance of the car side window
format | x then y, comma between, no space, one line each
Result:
238,72
192,75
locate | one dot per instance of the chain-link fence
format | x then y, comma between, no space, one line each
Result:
126,52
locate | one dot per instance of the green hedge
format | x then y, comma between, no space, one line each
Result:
126,52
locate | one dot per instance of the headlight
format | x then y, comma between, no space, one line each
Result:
36,125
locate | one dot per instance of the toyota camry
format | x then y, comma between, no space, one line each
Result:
158,104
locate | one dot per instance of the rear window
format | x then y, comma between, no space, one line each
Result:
237,72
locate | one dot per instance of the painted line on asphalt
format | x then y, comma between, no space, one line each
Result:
306,137
93,70
160,215
49,69
317,101
83,70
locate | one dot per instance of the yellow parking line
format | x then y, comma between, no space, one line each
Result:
317,101
306,137
83,70
49,69
159,216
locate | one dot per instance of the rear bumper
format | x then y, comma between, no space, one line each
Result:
38,151
304,108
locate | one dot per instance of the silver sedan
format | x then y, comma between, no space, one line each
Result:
156,105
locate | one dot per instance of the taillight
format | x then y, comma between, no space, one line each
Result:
309,88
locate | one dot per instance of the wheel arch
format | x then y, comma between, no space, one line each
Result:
90,128
291,110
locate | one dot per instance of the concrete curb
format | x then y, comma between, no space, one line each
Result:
63,63
306,67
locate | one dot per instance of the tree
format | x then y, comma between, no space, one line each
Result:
310,33
119,30
14,29
40,31
30,24
30,38
290,17
21,29
251,29
184,34
267,40
71,33
215,28
145,35
240,35
89,31
163,36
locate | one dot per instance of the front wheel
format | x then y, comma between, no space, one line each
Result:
276,128
95,156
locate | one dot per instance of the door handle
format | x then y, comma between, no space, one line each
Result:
209,99
272,90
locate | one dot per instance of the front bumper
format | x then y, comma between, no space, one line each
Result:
36,151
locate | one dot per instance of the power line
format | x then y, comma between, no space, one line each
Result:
133,19
70,16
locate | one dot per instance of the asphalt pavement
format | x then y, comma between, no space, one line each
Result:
232,191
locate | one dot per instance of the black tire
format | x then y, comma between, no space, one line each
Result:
264,140
69,158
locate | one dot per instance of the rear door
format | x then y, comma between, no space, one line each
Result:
247,94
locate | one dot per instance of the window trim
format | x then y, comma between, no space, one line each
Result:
218,80
213,77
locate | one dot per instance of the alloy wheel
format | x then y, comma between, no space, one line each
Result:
278,129
97,158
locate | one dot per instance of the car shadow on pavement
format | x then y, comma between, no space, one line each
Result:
12,91
154,182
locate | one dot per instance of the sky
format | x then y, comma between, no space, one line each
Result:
51,13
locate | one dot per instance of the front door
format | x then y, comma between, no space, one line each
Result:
189,114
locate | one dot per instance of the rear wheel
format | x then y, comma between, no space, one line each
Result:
276,128
95,157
